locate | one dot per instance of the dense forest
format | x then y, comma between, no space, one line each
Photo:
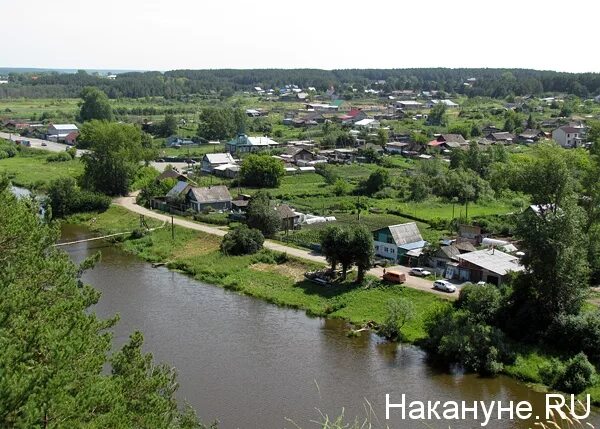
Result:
496,83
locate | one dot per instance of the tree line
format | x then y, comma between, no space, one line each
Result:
497,83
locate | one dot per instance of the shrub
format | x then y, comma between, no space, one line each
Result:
59,157
577,333
399,312
242,241
457,338
481,302
573,377
66,198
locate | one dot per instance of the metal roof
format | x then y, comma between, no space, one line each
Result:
214,194
405,233
493,260
64,127
177,189
219,158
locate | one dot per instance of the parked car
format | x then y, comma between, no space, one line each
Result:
421,272
444,285
394,276
44,144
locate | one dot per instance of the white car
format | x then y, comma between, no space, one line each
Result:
443,285
421,272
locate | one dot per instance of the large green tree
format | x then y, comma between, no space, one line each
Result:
114,157
94,105
262,216
55,351
219,123
261,171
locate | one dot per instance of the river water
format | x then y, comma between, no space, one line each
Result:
251,364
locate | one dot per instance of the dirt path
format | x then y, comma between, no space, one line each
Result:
411,281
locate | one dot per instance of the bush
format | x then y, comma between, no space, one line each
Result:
66,198
573,377
242,241
577,333
399,312
457,338
481,302
59,157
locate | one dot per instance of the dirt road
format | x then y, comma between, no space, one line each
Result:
411,281
39,144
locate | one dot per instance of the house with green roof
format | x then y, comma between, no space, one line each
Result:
244,144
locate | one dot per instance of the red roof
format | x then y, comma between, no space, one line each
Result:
351,114
435,143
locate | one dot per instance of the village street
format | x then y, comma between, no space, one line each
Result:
411,281
39,144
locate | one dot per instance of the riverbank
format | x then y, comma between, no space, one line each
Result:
268,275
278,278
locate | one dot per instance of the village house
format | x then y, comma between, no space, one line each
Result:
176,141
408,104
58,132
400,243
441,257
501,137
471,233
448,103
289,219
209,198
448,141
298,155
184,196
530,135
71,138
172,174
244,144
367,123
488,265
212,160
568,135
354,115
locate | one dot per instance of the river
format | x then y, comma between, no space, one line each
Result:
251,364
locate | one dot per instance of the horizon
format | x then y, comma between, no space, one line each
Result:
160,36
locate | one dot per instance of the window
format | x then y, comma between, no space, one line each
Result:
392,250
376,247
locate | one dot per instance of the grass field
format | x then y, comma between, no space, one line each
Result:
33,171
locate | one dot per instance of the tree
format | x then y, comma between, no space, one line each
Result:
115,153
66,198
376,181
341,187
363,248
260,215
399,313
437,115
555,280
261,171
329,243
242,241
55,348
168,126
217,123
94,105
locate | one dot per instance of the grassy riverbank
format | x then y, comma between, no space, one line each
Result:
279,279
267,275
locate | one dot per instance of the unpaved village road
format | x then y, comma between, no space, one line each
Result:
37,143
411,281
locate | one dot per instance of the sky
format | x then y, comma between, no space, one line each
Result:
327,34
